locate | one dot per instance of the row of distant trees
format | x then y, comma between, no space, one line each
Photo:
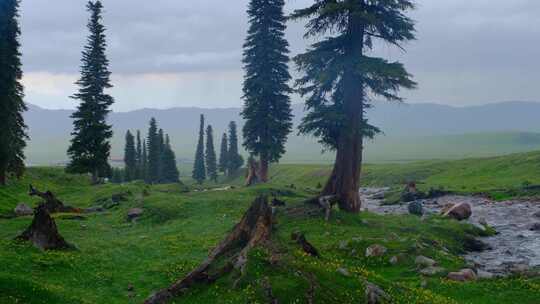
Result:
206,165
339,77
151,159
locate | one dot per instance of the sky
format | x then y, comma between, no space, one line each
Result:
179,53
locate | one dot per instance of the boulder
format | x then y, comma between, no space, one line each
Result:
535,227
463,275
459,212
375,295
432,270
484,275
134,213
23,209
394,260
424,261
375,250
416,208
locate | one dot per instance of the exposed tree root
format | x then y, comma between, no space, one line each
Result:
43,232
51,203
254,229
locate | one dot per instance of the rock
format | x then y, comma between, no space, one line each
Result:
344,272
535,227
424,261
459,212
519,268
375,250
432,270
134,213
463,275
446,207
416,208
23,209
482,221
475,245
394,260
375,295
484,275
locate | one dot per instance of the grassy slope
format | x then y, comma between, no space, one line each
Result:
178,229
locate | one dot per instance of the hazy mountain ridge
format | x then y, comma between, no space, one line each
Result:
403,125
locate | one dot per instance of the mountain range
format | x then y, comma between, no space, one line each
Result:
411,131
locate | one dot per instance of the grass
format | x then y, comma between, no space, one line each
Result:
178,229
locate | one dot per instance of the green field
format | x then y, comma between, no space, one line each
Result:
178,229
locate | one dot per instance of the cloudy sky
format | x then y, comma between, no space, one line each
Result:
167,53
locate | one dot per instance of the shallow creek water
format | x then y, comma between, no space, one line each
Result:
514,248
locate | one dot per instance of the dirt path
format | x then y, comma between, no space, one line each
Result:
514,249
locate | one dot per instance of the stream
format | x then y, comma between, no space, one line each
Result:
515,248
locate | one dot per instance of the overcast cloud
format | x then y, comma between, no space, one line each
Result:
167,53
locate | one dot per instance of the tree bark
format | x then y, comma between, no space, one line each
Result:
2,177
51,203
43,232
254,228
344,181
263,170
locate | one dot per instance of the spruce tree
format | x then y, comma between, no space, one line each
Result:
224,154
170,170
340,78
234,159
12,126
199,168
144,162
154,152
211,162
130,158
162,148
267,109
90,147
138,158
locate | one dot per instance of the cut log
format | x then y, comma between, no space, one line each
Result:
254,229
43,232
51,203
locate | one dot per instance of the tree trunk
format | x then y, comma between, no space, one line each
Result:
51,203
43,232
2,177
95,177
344,181
263,170
254,229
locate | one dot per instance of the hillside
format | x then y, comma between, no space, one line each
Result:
178,229
411,132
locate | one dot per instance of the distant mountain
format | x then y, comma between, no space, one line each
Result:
411,131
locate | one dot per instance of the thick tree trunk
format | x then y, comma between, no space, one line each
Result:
263,170
254,229
344,181
43,232
2,177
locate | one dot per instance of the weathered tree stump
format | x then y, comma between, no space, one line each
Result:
43,232
254,229
51,203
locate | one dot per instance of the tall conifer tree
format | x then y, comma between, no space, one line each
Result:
130,158
90,147
224,154
211,161
267,109
170,170
162,149
339,78
138,158
154,152
144,162
12,126
199,168
234,159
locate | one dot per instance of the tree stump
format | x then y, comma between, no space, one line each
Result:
253,172
51,203
254,229
43,232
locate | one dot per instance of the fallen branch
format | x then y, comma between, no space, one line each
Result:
254,229
51,203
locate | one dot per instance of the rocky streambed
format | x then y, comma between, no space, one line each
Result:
514,249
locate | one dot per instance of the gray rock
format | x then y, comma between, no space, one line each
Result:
461,211
344,272
416,208
484,275
134,213
375,294
375,250
535,227
463,275
23,209
432,270
424,261
394,260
